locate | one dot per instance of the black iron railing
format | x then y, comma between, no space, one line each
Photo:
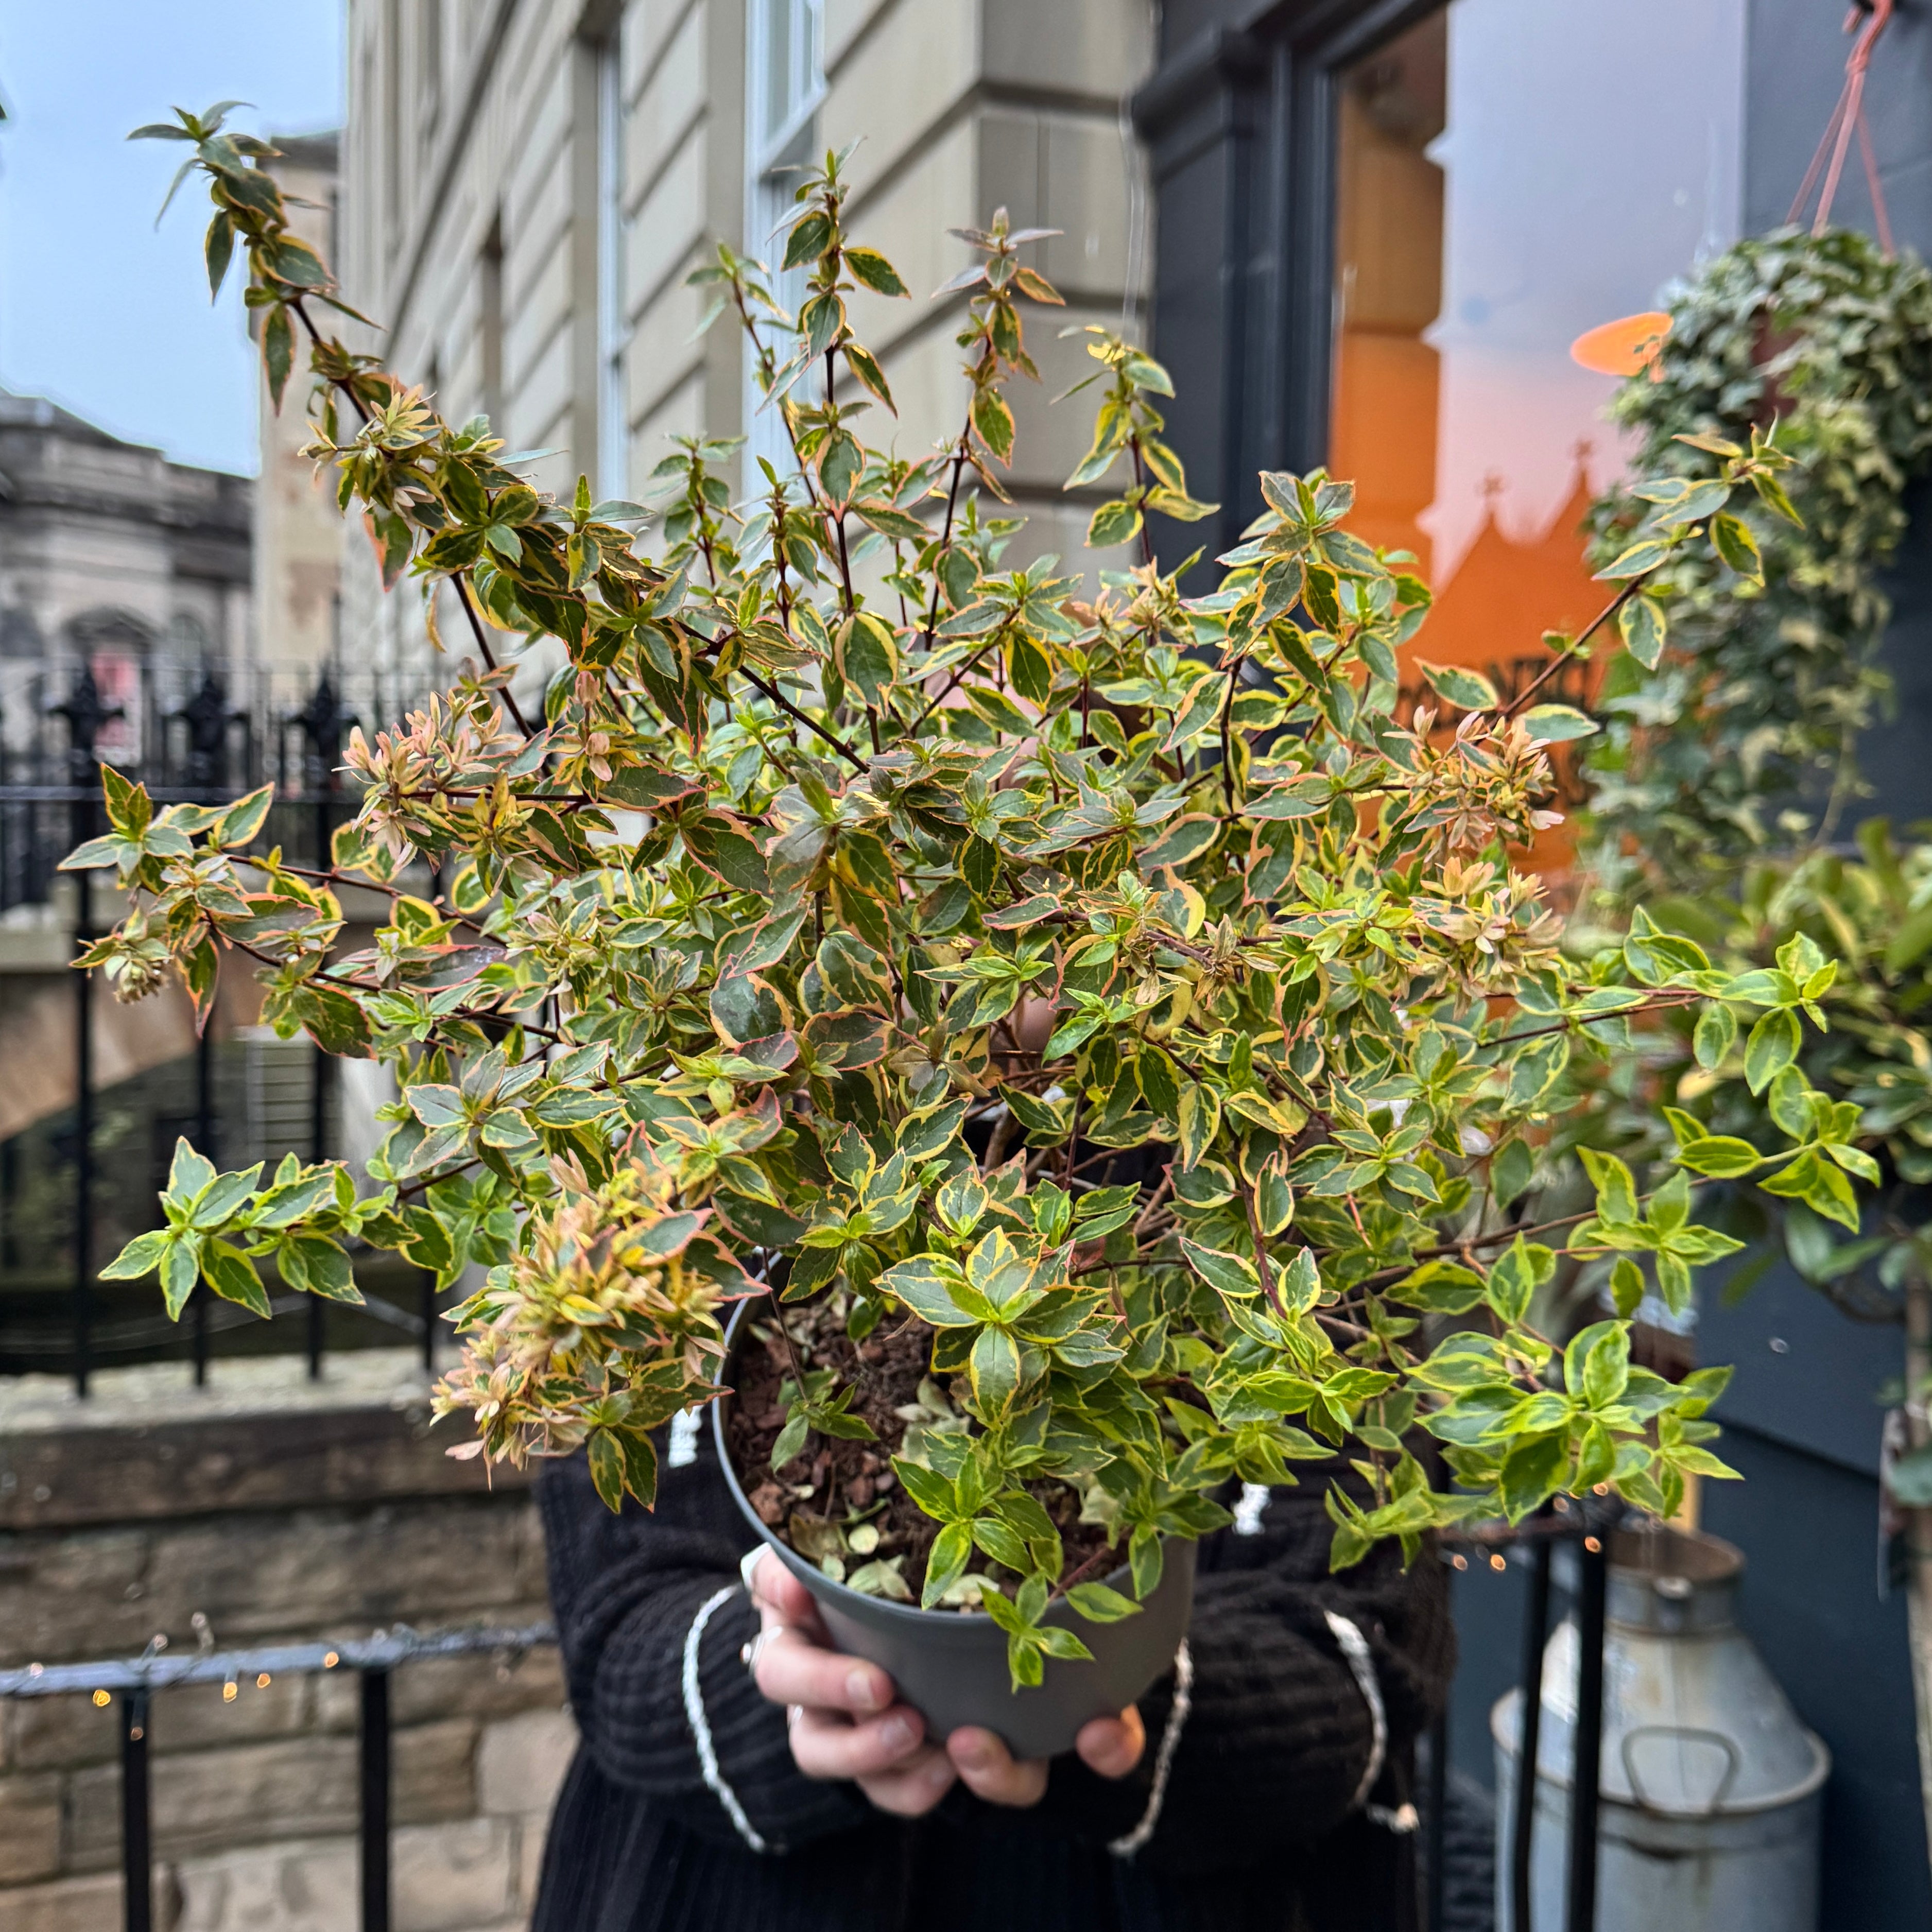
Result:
133,1684
191,731
1586,1530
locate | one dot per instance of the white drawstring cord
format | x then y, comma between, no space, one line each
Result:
1163,1764
700,1728
1362,1667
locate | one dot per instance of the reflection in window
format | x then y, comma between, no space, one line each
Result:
785,85
1510,175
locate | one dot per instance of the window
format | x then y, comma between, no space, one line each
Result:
1509,175
784,86
490,326
613,332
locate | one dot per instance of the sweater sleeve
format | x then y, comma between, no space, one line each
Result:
1280,1735
627,1589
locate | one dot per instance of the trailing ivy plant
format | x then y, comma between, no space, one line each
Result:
1731,723
1108,985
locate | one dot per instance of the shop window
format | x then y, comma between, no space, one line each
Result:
785,82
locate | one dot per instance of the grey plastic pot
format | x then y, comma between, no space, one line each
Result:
952,1669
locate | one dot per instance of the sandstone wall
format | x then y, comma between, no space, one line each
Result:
280,1511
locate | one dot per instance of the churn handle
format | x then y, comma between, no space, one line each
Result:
1732,1764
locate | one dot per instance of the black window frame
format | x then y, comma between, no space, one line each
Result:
1239,119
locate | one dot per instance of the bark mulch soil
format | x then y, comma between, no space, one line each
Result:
832,1480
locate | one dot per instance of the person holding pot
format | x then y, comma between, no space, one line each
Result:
736,1773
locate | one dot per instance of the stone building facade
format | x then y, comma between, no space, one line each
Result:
297,530
527,185
109,551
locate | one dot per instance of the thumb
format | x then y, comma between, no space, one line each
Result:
777,1592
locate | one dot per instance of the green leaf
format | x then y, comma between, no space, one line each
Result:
1554,724
1909,943
809,240
1772,1047
1639,560
181,1264
875,271
1517,1275
1717,1030
1627,1287
867,655
640,1467
946,1561
278,352
994,421
928,1488
1442,1287
1002,1542
925,1284
1596,1365
1512,1169
1229,1273
1732,539
1158,1081
232,1275
1616,1189
1145,1558
189,1173
791,1438
1099,1604
1057,1641
1641,624
218,247
994,1369
607,1468
243,820
1533,1472
1200,1122
1722,1156
1460,686
141,1255
1117,522
1181,844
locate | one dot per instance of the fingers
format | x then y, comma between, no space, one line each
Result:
912,1789
990,1771
825,1745
779,1594
792,1669
1112,1746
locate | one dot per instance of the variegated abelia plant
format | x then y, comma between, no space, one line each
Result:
1109,987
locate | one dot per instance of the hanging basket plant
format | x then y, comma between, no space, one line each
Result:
1731,724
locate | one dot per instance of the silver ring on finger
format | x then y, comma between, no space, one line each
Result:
794,1715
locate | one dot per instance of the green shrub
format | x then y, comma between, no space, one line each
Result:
1109,986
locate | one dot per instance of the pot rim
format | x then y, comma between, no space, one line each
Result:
911,1614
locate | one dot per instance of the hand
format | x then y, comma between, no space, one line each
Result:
845,1719
846,1724
1110,1746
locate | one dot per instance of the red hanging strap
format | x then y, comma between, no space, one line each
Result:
1848,114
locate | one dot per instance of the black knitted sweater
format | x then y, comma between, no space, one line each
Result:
1257,1832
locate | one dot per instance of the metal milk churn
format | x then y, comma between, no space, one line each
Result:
1712,1791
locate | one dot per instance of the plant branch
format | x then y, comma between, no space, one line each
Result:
461,580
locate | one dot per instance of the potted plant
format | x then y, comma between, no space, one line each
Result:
1101,1049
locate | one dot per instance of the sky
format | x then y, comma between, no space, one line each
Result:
98,311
